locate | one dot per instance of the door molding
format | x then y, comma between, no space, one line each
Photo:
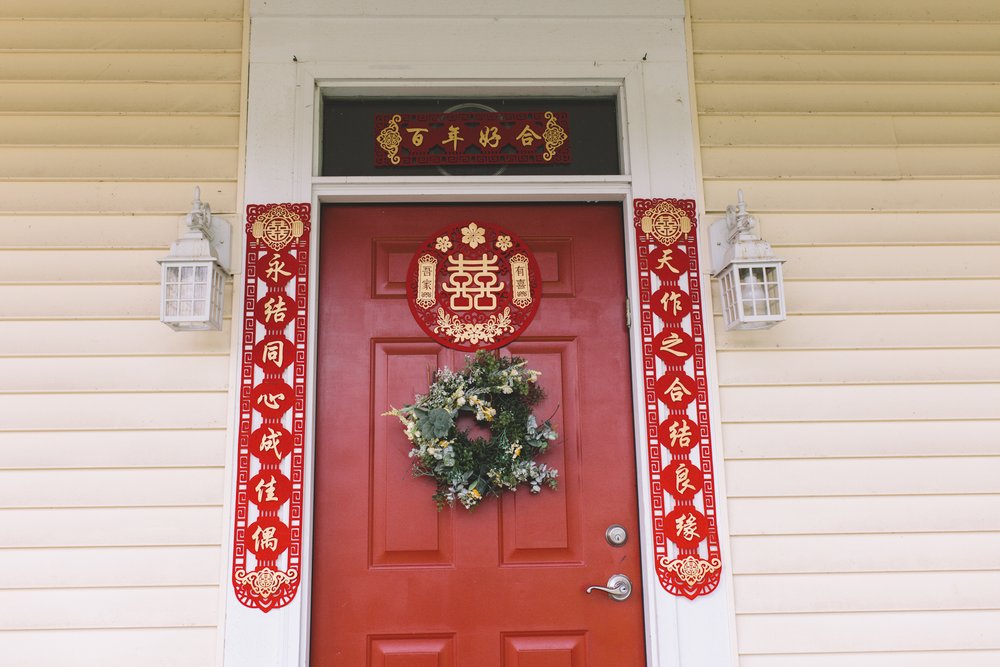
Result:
658,157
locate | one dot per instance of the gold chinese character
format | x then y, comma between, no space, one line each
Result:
677,390
263,538
276,269
686,526
417,135
670,342
273,351
672,300
682,479
528,136
680,434
475,290
270,442
265,490
453,137
271,401
665,261
275,308
489,137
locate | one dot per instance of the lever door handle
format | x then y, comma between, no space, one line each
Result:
619,587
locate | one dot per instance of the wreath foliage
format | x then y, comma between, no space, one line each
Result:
499,393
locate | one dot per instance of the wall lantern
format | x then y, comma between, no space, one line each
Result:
753,296
194,272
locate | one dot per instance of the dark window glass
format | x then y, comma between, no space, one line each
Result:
349,135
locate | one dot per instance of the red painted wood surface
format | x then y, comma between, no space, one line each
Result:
397,583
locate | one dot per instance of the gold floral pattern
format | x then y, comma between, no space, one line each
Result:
474,332
554,135
504,243
691,570
390,139
443,243
473,235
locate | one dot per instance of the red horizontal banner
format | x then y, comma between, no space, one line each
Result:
492,138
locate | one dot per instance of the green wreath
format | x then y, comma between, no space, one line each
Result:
499,393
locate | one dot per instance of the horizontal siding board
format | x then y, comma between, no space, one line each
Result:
98,337
874,514
105,527
871,631
113,447
76,265
845,10
862,592
118,129
888,296
850,162
149,647
859,439
923,195
115,374
121,487
821,554
904,658
89,231
816,228
110,567
863,477
120,96
89,197
50,609
122,410
860,402
96,300
119,66
890,68
556,39
100,162
845,36
120,9
899,261
809,97
121,33
777,367
780,129
866,331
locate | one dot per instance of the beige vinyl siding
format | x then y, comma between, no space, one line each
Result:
862,436
112,427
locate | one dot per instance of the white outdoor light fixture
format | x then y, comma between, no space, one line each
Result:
753,296
194,272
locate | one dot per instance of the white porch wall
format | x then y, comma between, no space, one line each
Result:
862,436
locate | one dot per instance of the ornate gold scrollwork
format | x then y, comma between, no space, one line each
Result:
554,135
277,227
691,570
390,139
666,223
265,582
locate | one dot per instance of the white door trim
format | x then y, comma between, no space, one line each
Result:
658,160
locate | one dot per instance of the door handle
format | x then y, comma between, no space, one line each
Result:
619,587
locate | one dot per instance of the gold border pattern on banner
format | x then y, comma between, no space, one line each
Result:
265,582
666,223
277,227
554,135
691,570
390,139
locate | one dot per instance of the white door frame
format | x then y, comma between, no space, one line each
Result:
658,159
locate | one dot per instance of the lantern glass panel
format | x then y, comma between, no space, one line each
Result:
192,295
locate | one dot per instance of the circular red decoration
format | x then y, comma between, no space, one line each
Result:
267,537
473,286
675,389
272,398
673,346
670,303
679,435
275,310
274,353
270,443
269,489
669,264
686,527
681,478
277,268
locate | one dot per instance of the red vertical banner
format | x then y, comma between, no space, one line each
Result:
267,550
675,385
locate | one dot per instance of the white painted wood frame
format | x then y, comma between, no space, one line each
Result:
658,159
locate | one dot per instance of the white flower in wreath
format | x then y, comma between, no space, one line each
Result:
473,235
504,243
443,243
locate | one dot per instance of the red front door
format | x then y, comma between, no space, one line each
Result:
397,583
